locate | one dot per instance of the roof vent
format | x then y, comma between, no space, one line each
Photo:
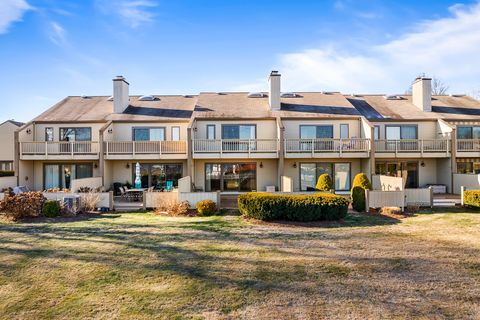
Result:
289,95
110,98
327,92
146,98
257,95
85,97
458,95
392,97
187,96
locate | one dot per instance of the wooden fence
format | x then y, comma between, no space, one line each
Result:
402,198
154,199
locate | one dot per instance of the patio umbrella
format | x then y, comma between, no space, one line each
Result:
138,181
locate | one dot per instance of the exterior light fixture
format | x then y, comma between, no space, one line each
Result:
110,130
261,164
294,165
128,165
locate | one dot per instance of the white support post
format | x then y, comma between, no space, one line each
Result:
367,198
133,148
462,190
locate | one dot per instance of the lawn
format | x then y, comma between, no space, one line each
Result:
142,266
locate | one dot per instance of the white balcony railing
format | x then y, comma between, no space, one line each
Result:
59,148
235,145
412,145
468,145
145,147
327,145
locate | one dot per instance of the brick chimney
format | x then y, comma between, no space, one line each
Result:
120,94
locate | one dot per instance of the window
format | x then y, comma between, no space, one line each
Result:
376,132
75,134
6,165
175,133
464,167
405,169
231,177
211,132
400,132
61,175
243,132
149,134
470,132
344,134
159,176
309,173
319,132
48,134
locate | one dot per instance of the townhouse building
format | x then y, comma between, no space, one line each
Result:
239,141
7,151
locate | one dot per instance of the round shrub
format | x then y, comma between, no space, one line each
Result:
267,206
324,183
206,208
360,184
51,209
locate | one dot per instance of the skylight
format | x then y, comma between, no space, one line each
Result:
146,98
289,95
256,95
392,97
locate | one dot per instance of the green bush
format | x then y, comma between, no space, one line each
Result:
51,209
7,173
324,183
206,208
267,206
471,198
360,184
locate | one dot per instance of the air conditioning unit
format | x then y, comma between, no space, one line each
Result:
72,203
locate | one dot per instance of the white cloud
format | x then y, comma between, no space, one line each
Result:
11,11
57,34
448,48
134,13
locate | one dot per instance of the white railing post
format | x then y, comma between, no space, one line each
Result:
71,149
248,148
340,145
133,147
421,147
396,147
160,143
46,149
313,147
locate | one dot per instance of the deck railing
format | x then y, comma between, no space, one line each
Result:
412,145
59,148
145,147
235,145
327,145
468,145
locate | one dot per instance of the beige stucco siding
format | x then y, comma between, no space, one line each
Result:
266,129
124,131
266,176
292,127
7,149
39,130
426,129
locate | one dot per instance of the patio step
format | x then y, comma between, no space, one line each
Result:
446,202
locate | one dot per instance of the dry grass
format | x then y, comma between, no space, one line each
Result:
144,266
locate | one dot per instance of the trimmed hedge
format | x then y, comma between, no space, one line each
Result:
267,206
7,173
471,198
51,209
360,184
206,208
324,183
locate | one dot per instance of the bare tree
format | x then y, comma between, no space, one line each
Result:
439,87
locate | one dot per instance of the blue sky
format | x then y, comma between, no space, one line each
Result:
50,49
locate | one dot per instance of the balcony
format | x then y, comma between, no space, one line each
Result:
235,148
59,150
125,150
412,148
468,147
327,148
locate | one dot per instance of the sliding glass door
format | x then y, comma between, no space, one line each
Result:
405,169
231,177
159,176
239,132
61,175
339,172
